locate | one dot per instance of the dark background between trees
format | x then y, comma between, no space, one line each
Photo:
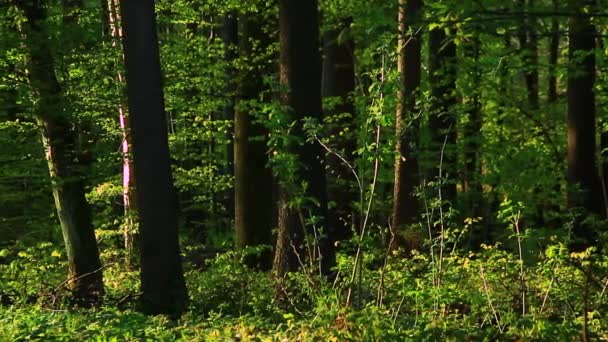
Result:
440,166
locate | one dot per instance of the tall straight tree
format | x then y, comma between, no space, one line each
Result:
553,56
162,280
128,188
405,204
61,146
255,213
229,34
300,73
472,185
528,43
338,83
584,187
442,121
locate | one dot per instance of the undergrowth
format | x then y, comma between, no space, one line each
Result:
484,295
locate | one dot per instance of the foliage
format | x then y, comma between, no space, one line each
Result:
492,265
478,298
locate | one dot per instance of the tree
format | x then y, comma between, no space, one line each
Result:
442,121
65,163
472,140
255,213
405,204
300,74
528,43
338,83
553,56
128,171
229,34
162,280
584,187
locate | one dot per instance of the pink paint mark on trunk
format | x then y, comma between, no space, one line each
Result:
126,165
116,32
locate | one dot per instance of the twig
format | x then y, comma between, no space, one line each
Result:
358,254
441,223
398,309
364,225
432,249
295,251
71,279
522,279
542,307
487,292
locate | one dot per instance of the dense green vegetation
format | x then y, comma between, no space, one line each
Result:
300,170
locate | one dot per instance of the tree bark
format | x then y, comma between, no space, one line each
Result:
254,210
472,163
553,56
162,281
230,38
584,188
442,121
339,82
65,164
130,236
405,203
300,73
528,43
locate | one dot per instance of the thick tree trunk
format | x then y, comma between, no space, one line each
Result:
254,209
162,280
584,188
405,203
300,73
339,82
65,164
442,122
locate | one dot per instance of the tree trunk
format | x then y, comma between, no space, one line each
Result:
528,43
553,56
442,121
65,165
472,163
254,210
300,73
339,82
130,223
162,280
583,181
230,38
405,203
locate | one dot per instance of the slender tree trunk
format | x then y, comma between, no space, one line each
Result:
553,56
10,103
128,188
230,38
162,280
472,163
405,204
583,181
442,122
300,73
339,82
254,203
67,174
528,46
528,43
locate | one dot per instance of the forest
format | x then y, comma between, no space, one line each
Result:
303,170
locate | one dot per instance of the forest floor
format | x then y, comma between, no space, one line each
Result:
478,300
